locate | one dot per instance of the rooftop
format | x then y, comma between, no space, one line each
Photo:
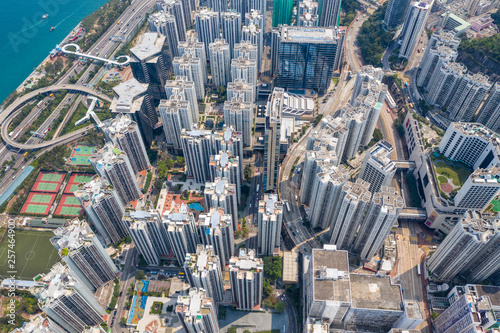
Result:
290,267
73,236
318,35
381,154
375,292
150,45
331,275
127,96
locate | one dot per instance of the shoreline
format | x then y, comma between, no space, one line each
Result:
20,88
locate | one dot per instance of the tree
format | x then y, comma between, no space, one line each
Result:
158,185
280,306
273,267
377,134
267,290
248,172
123,321
231,329
180,161
140,275
268,304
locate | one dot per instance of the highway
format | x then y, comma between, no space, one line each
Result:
409,256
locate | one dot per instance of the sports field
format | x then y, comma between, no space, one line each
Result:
38,203
45,187
75,179
34,254
68,206
54,177
81,154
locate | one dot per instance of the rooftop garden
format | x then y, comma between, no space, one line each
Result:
450,175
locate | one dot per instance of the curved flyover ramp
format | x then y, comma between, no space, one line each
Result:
77,53
8,115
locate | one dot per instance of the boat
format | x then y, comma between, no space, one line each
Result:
52,29
45,16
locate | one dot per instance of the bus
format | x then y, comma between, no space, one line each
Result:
25,154
418,269
258,187
287,206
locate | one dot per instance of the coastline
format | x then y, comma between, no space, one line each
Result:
20,88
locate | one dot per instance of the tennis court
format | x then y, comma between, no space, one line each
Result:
68,206
41,198
69,200
81,154
38,203
35,209
75,179
52,177
45,187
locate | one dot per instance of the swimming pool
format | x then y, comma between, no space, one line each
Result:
196,206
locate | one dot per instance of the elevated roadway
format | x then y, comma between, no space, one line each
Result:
77,53
9,114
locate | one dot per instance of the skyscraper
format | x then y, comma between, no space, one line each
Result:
181,231
239,88
175,116
222,194
246,69
217,230
442,48
67,301
443,83
413,26
240,115
100,201
84,254
366,75
164,23
246,273
282,12
270,218
148,62
219,62
230,141
272,139
468,314
113,164
317,155
381,216
479,189
226,165
207,27
132,97
197,149
231,28
191,67
246,49
177,9
355,120
203,270
349,213
197,49
308,14
124,133
148,233
378,169
469,94
218,6
395,12
307,56
255,35
489,115
186,89
336,128
472,247
326,191
197,312
329,13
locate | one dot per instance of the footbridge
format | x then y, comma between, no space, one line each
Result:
412,213
10,113
77,52
405,164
